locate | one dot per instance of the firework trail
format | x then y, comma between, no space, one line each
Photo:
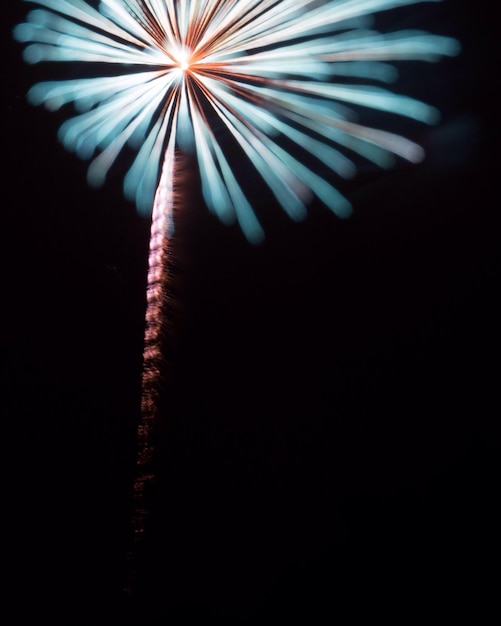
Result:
280,81
157,298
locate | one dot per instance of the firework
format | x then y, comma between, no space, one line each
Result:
277,81
205,74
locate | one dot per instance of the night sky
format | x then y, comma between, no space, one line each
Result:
330,437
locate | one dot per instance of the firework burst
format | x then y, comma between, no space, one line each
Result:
263,74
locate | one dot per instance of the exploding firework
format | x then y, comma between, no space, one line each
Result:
278,80
262,74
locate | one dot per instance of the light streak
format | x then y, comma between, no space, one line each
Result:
157,298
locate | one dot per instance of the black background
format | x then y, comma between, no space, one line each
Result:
330,432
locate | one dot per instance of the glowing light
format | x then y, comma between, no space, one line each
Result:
276,78
184,58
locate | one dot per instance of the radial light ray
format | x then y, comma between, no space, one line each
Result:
269,72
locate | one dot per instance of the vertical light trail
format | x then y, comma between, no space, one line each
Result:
157,300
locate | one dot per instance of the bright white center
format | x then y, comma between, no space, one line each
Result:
183,58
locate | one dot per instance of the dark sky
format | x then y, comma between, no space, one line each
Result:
329,437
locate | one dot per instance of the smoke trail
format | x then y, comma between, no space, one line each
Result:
156,318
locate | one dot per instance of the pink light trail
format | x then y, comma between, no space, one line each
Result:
157,301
